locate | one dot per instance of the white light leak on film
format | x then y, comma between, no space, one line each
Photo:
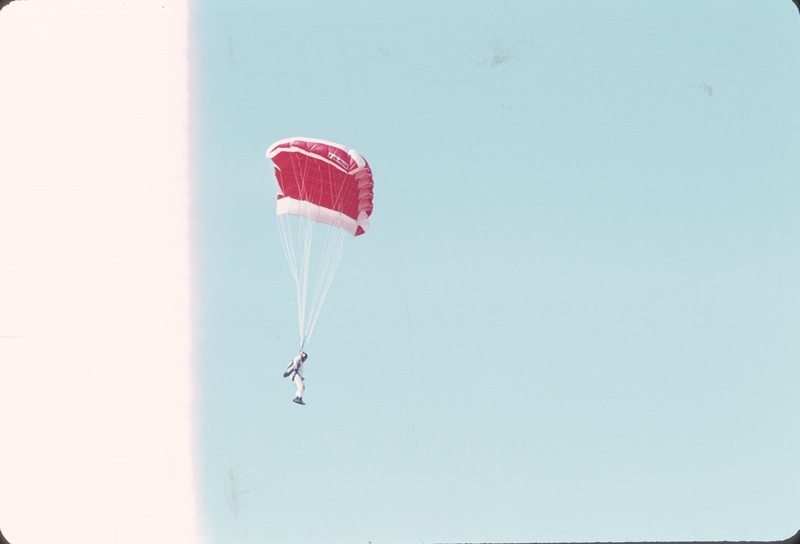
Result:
96,396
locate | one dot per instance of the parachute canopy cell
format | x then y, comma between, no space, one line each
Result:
323,181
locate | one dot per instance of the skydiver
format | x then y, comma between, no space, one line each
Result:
295,372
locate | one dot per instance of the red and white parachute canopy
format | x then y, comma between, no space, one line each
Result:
318,182
323,181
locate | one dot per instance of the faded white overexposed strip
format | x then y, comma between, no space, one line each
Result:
96,439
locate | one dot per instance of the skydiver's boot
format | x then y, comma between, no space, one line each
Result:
299,400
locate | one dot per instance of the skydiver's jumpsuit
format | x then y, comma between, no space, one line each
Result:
295,371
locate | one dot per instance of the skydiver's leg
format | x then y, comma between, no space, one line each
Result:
300,387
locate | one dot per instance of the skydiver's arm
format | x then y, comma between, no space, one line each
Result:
293,364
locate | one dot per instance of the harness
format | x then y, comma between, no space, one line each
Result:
294,370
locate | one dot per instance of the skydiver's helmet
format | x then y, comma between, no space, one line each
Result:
303,356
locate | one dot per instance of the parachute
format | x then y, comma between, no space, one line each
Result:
325,187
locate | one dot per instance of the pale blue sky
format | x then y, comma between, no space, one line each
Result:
575,316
